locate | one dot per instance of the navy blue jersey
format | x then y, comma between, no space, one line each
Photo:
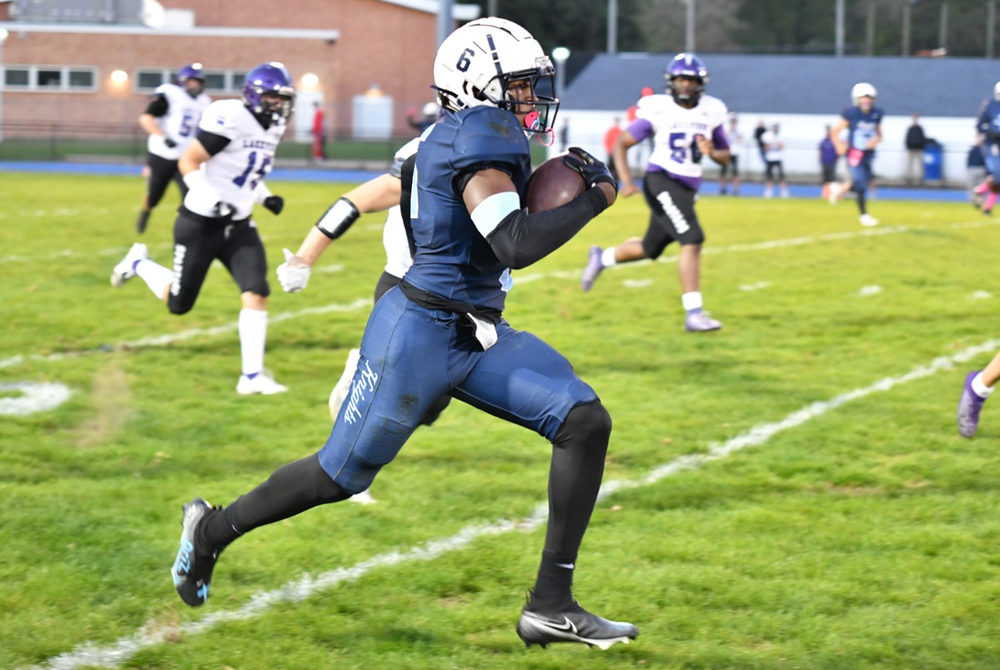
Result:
451,258
989,122
862,127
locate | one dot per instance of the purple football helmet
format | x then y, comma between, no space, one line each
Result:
191,71
686,65
269,78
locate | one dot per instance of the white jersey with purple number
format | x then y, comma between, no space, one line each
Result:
180,123
674,130
235,171
397,245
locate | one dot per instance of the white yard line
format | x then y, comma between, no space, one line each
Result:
526,278
154,633
172,338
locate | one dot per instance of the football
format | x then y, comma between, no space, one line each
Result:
552,185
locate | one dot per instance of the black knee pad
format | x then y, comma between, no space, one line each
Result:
179,307
588,424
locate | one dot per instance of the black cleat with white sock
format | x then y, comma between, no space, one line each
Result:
542,625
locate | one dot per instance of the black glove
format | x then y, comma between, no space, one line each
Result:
170,143
592,170
275,203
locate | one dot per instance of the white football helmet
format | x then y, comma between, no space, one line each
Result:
477,62
862,90
996,91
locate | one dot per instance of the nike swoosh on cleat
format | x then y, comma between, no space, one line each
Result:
566,627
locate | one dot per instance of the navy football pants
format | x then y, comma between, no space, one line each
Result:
411,356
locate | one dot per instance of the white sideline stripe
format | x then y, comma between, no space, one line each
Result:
171,338
518,279
154,633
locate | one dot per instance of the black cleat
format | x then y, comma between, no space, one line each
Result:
192,570
142,222
538,625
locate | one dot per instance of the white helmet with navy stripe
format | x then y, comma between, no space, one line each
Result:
477,62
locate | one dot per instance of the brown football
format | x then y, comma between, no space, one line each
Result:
552,185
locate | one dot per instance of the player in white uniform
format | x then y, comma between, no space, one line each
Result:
735,139
376,195
686,125
224,168
171,120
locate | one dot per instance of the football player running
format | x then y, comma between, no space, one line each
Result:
864,123
170,120
224,168
442,330
988,126
686,125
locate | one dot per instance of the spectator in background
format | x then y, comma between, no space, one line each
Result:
757,134
610,137
735,140
564,135
319,132
774,152
828,163
429,113
975,166
916,140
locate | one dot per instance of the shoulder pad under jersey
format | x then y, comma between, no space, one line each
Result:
487,135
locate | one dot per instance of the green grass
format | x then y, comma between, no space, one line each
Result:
864,538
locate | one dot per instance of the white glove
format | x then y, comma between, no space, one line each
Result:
293,274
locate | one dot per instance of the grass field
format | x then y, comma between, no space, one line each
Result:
790,492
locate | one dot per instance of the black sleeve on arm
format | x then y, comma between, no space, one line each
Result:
522,239
158,106
213,143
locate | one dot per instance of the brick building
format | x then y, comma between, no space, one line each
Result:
63,60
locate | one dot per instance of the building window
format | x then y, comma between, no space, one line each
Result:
239,78
16,77
215,81
148,80
81,79
49,78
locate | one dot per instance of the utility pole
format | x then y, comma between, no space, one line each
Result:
839,39
943,34
491,8
991,17
689,27
444,20
870,30
906,28
612,26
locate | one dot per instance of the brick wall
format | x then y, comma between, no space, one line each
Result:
379,43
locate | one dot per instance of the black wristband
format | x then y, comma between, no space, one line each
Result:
341,215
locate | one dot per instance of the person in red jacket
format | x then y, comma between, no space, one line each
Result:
319,133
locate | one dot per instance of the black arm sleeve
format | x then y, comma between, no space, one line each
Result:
522,239
213,143
158,106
